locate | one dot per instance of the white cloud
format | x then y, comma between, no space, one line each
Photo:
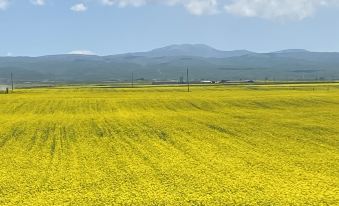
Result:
202,7
79,7
124,3
195,7
4,4
82,52
277,9
268,9
38,2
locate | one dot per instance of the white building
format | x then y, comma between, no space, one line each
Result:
4,88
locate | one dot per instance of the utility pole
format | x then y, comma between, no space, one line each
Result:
132,80
188,82
12,82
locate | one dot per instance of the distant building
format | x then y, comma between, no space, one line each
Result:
207,82
248,81
164,82
4,89
234,82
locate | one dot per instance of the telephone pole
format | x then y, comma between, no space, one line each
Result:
132,80
12,82
188,82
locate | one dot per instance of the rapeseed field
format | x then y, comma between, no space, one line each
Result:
222,145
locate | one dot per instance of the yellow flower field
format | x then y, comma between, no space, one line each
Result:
222,145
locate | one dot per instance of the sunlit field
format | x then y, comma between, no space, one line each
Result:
222,145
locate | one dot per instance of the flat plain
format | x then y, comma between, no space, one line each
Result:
219,145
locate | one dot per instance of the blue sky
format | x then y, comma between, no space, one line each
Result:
41,27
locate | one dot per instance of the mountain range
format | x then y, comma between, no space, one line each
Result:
169,63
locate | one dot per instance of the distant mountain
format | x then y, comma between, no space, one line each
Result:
170,62
197,50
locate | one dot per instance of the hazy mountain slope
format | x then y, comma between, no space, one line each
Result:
198,50
171,62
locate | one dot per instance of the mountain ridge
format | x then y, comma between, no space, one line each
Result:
168,62
189,49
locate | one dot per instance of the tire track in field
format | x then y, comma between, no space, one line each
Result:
14,131
172,145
